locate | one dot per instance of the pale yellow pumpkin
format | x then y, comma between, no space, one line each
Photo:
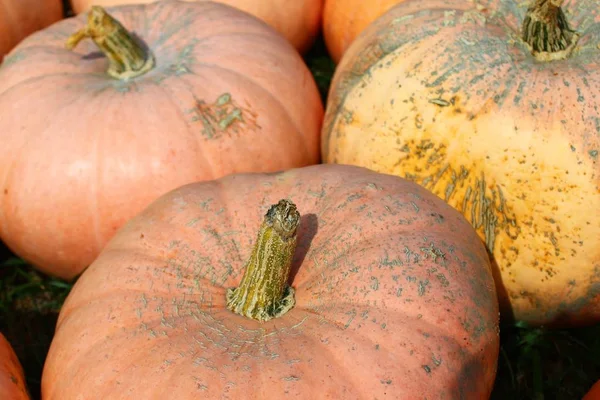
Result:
462,98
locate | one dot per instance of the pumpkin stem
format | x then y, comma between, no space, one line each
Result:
264,293
127,55
546,31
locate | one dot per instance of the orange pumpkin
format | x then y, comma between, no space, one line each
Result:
463,99
298,20
211,92
391,296
344,20
594,392
20,18
12,381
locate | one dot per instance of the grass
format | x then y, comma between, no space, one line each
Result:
534,363
29,305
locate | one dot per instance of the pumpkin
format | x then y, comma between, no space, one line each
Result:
344,20
12,381
390,294
593,393
18,19
211,91
298,20
472,102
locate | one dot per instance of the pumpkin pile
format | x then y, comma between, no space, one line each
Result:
230,235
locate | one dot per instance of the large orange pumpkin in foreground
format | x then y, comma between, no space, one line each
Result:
20,18
298,20
449,95
82,151
391,296
12,381
344,20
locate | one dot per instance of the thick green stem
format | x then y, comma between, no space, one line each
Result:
546,31
263,293
128,57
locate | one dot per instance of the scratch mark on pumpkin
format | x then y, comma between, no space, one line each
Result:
352,314
415,206
439,102
374,283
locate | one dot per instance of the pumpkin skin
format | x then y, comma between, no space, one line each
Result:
344,20
98,150
446,94
594,392
299,20
372,291
18,19
12,381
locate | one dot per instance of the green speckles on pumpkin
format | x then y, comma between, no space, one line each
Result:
347,116
593,154
223,99
373,186
351,314
374,283
13,58
433,252
122,86
423,287
185,58
193,222
391,263
235,114
442,279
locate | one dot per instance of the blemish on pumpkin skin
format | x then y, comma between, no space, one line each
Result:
423,287
374,283
223,116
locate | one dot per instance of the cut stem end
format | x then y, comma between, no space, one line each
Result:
546,31
127,55
263,293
